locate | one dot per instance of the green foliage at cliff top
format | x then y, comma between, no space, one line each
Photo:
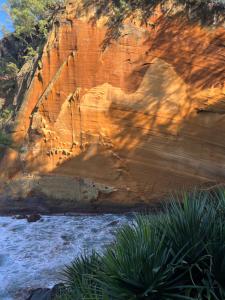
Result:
32,20
32,16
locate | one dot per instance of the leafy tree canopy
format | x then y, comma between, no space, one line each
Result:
32,16
32,20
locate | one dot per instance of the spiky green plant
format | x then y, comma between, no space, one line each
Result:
178,254
190,224
142,265
81,279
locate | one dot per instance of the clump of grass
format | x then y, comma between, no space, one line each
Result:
178,254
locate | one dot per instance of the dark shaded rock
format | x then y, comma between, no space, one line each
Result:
2,259
40,294
94,230
33,218
57,290
47,294
113,223
66,237
20,217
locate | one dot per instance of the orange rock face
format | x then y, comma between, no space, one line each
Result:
125,125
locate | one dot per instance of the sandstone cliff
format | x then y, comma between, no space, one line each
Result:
121,126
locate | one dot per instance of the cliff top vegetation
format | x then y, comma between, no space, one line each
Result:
32,20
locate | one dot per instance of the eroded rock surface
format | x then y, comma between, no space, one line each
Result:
121,126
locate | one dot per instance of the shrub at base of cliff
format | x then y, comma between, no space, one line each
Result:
5,140
178,254
5,118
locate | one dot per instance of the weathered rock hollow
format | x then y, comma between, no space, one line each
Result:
123,126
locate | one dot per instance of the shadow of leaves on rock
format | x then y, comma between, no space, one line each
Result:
205,12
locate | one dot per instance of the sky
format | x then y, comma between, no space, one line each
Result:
4,19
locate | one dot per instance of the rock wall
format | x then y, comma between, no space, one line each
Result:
123,126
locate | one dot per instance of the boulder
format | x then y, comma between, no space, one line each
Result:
20,217
46,294
113,223
33,218
40,294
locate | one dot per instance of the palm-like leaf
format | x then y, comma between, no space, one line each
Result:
178,254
